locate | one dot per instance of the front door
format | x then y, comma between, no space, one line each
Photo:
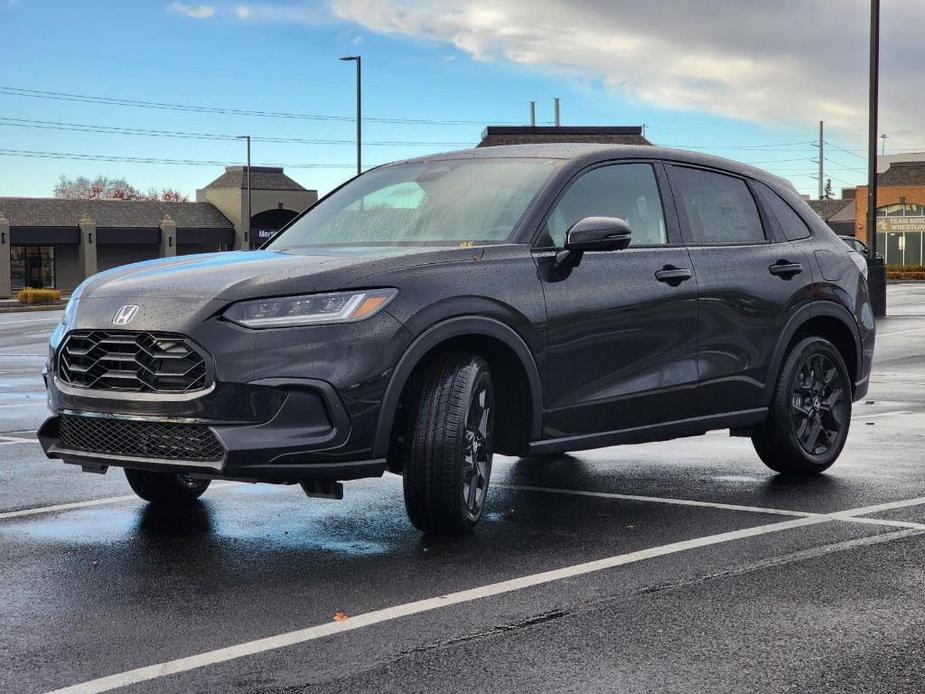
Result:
621,326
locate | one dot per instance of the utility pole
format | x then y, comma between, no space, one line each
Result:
821,160
358,61
247,173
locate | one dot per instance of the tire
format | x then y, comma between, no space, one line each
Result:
810,412
165,488
448,450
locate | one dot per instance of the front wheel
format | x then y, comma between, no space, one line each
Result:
165,488
448,449
811,411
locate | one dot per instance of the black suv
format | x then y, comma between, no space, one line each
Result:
526,300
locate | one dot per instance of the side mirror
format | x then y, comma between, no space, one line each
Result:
594,234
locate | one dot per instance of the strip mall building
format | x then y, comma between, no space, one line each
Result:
50,242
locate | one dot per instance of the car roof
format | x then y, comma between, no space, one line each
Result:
582,154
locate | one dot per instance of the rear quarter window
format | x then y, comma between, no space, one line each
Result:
791,223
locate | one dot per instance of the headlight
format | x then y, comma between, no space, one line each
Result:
311,309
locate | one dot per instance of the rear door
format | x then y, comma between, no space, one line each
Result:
621,326
750,277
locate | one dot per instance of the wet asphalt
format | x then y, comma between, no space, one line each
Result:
837,605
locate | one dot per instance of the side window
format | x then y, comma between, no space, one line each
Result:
792,224
720,209
627,191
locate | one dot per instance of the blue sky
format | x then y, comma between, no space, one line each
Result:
693,81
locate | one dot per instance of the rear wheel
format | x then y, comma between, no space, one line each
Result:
811,411
448,451
165,488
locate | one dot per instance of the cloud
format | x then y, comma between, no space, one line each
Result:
194,11
787,62
306,13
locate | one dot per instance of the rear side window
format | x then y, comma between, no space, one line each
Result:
720,209
792,224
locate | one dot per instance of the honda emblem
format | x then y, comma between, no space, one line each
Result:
125,314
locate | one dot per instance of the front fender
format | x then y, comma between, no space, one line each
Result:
439,333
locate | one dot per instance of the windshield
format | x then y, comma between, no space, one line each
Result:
453,202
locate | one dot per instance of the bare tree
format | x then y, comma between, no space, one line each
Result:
105,188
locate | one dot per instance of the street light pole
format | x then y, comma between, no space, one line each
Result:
872,127
876,276
247,173
358,61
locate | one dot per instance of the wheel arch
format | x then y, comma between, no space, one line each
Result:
515,372
825,319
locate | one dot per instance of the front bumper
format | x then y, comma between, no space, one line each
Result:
285,405
296,443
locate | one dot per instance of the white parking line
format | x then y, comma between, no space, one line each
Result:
901,332
56,319
881,414
21,513
4,440
291,638
65,507
661,500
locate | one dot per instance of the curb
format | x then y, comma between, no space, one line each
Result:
30,309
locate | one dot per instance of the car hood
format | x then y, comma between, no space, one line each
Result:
238,275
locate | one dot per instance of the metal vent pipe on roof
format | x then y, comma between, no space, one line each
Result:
532,114
555,103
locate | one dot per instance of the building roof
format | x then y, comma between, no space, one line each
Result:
495,135
903,173
262,178
827,208
55,212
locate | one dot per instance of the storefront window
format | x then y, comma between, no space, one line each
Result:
32,266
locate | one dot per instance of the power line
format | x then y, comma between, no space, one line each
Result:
802,144
111,101
117,130
34,154
846,151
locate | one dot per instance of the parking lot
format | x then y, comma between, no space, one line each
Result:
680,566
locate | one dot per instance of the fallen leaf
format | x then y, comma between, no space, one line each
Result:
340,616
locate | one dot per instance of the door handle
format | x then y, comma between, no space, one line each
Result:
673,275
785,269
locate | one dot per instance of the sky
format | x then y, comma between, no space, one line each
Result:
92,87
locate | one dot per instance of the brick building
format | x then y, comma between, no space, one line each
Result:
900,213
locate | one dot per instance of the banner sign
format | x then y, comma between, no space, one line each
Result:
893,224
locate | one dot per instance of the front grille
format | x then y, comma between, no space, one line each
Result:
139,439
131,361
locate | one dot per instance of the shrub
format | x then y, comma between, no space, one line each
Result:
906,275
32,297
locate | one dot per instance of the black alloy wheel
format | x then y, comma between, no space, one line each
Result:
817,402
447,450
477,451
810,412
